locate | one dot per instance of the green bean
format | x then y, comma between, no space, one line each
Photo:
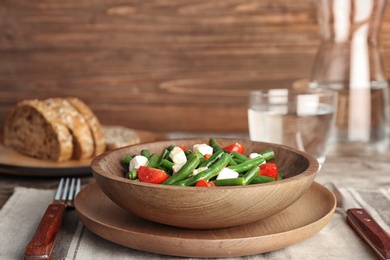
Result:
262,179
251,174
169,171
153,160
201,160
232,162
237,160
167,164
127,159
170,148
211,172
186,170
163,155
245,166
213,158
132,175
239,156
268,154
280,176
213,143
230,182
145,153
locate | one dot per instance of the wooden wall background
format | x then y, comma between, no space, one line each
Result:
160,65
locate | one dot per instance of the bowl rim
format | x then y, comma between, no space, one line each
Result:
96,168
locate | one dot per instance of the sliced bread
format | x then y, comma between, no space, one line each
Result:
34,129
83,144
119,136
93,123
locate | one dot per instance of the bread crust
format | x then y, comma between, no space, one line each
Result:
83,144
33,128
93,123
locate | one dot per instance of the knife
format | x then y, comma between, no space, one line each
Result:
365,225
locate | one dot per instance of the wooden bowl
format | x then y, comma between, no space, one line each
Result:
205,208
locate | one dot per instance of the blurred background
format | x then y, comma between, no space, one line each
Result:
159,65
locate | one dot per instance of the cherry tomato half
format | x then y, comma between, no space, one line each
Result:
269,169
183,147
151,175
203,183
236,147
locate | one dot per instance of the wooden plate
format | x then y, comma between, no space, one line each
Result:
12,162
303,219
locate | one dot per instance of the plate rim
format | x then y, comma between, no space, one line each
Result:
47,169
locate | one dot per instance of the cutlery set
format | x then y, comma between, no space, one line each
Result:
41,245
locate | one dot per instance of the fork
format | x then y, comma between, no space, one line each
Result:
42,243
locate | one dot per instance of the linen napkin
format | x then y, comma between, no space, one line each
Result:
22,213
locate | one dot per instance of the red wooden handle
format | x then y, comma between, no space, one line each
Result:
41,245
370,231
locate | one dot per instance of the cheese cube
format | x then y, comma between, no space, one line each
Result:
227,173
203,149
178,156
137,161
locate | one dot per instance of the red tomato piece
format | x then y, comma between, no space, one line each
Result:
236,147
183,147
203,183
151,175
207,156
269,169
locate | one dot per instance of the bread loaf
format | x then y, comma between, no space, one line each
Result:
33,128
57,129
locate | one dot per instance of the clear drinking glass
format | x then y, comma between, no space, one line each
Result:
302,119
349,60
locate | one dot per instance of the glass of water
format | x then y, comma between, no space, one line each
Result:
302,119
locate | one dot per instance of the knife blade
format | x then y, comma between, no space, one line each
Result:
364,224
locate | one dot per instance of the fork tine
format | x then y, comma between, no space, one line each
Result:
71,190
74,189
65,191
57,196
78,186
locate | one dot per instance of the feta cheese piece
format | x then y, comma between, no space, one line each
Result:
254,155
203,149
200,169
227,173
177,167
137,161
178,156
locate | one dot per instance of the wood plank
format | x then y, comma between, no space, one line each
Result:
157,64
